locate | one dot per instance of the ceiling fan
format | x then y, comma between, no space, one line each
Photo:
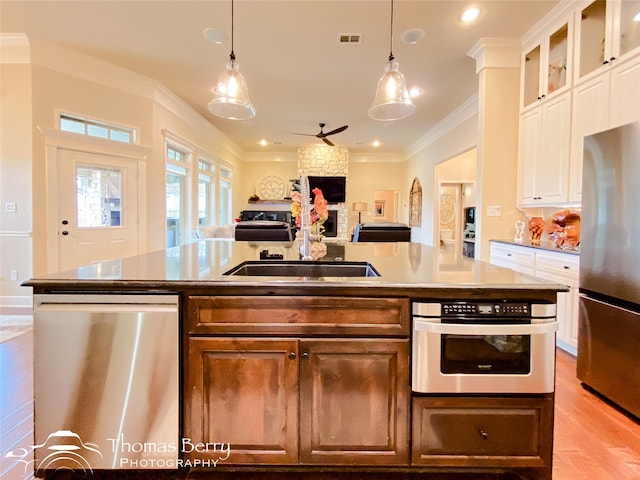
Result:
323,136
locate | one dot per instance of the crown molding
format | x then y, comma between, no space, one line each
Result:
461,114
86,67
561,11
14,48
496,53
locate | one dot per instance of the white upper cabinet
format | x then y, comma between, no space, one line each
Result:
606,31
544,153
546,64
603,101
600,89
607,83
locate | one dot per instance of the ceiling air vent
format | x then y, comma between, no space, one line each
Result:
349,38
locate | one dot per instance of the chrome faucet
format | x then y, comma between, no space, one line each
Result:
305,224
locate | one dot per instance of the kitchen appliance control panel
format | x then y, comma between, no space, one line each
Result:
508,309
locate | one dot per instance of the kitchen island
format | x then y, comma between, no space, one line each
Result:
285,376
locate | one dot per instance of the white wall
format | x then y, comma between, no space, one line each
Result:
15,177
46,80
445,144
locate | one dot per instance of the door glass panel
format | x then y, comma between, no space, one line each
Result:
98,196
592,37
629,25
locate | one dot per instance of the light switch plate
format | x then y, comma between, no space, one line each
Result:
494,211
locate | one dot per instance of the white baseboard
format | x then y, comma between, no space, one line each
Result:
16,305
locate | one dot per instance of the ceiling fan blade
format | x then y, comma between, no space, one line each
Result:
328,142
305,134
338,130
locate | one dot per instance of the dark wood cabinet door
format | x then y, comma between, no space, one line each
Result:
243,392
354,402
483,432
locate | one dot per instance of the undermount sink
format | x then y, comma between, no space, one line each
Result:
286,268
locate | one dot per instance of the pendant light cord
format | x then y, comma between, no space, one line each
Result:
233,55
391,57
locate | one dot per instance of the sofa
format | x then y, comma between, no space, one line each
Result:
382,232
264,230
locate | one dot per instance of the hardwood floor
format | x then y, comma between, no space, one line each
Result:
593,439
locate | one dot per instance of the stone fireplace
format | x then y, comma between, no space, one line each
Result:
328,161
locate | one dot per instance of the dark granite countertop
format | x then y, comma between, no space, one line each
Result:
203,264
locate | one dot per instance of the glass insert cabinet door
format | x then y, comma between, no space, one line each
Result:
609,29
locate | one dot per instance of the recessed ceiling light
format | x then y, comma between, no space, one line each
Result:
413,36
415,92
263,142
470,14
214,35
376,143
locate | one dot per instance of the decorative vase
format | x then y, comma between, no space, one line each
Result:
519,229
536,226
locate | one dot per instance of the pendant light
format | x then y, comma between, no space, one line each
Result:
231,97
392,100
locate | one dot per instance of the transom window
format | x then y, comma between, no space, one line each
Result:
94,128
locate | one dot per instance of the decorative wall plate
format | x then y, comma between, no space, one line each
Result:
447,208
272,188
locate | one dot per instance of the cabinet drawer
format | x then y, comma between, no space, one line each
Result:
521,259
498,432
564,264
299,315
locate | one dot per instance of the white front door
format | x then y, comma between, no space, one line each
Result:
97,208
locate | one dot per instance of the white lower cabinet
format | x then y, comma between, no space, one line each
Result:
557,267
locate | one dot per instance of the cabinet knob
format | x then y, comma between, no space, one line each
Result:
292,356
64,232
612,59
508,254
566,267
305,355
483,434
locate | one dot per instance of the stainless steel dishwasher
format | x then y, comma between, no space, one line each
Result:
106,381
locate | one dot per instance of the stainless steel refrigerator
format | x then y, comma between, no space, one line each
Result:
609,328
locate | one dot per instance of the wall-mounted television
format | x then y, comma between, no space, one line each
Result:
334,189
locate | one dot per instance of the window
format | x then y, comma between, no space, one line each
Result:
98,196
198,190
206,192
224,186
175,196
93,128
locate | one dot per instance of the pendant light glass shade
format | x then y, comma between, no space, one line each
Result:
392,100
231,97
